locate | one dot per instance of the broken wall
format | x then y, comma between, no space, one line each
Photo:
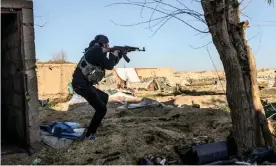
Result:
154,72
53,79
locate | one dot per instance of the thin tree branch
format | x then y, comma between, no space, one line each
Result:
153,13
246,5
141,5
165,9
205,36
192,13
141,12
200,33
201,46
215,68
161,26
144,22
260,40
166,17
41,26
187,7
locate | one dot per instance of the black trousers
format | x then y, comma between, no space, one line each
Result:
97,99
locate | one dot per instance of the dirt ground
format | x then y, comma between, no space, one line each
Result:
131,134
127,135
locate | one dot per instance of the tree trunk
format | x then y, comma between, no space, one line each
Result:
247,113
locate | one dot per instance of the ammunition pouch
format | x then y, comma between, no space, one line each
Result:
94,74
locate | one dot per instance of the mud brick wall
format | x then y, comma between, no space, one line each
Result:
12,90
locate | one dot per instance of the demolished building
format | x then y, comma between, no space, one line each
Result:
127,78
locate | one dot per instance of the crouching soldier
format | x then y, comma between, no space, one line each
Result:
91,70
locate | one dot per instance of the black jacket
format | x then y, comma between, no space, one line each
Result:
95,56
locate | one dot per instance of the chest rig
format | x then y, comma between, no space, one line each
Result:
94,74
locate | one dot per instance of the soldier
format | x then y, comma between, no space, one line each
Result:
91,70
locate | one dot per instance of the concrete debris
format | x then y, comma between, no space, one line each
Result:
121,95
151,84
108,80
145,103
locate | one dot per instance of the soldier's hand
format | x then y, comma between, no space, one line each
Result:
116,53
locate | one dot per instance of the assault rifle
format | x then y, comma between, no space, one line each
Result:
126,49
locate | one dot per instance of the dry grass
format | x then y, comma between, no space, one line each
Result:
132,134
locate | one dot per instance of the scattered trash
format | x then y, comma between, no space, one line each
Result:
206,153
151,160
145,103
111,91
43,103
69,130
61,134
76,99
36,161
261,154
122,95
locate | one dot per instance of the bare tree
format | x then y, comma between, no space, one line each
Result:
222,20
59,57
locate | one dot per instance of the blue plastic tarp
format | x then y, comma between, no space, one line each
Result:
68,130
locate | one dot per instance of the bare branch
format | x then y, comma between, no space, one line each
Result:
154,12
246,5
41,26
200,33
191,13
161,26
141,12
201,46
144,22
188,8
164,19
205,36
243,14
260,40
165,9
215,69
254,36
141,5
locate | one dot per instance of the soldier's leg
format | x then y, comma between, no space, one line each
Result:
94,99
